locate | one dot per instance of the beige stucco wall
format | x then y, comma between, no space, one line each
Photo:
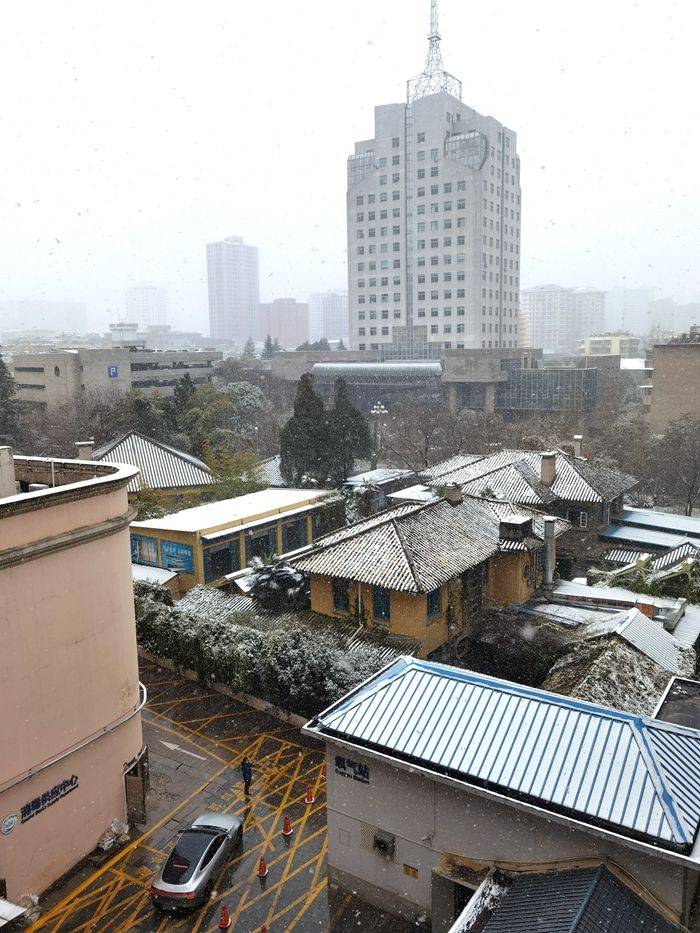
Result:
69,671
429,818
675,378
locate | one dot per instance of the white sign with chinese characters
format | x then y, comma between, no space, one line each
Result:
354,770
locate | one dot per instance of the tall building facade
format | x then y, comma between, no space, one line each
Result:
433,218
557,319
146,305
234,289
328,316
285,320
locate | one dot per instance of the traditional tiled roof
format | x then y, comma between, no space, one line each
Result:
576,479
448,466
161,466
637,777
207,599
416,548
583,900
268,471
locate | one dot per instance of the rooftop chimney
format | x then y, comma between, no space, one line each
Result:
453,493
515,528
549,550
577,444
8,485
548,467
85,449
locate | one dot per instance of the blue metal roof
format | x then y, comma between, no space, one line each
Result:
636,776
645,536
661,521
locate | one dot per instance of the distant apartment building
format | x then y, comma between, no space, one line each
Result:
234,289
328,316
675,381
60,376
64,316
619,344
146,305
73,758
285,320
556,318
629,309
433,219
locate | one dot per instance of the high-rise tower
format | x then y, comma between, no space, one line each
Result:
234,289
433,211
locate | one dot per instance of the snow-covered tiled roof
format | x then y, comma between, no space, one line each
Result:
140,573
160,466
415,548
268,471
514,473
636,776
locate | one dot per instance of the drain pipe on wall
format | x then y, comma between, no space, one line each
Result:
549,550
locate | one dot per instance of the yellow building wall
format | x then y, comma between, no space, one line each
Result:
507,582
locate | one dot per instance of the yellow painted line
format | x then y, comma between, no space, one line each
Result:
124,852
341,909
315,891
182,737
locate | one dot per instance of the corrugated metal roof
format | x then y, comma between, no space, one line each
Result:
161,466
636,776
377,477
684,525
415,548
207,599
447,466
583,900
139,573
647,636
622,556
646,537
269,472
675,555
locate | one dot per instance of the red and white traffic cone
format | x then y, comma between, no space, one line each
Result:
224,921
287,827
309,798
323,772
262,868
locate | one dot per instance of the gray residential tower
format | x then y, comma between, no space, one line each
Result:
433,218
234,289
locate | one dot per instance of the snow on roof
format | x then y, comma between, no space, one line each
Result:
377,477
414,494
160,466
634,362
139,573
268,471
661,521
229,512
647,636
635,776
646,537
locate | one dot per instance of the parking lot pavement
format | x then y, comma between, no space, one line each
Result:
197,739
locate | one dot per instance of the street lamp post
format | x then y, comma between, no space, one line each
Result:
378,411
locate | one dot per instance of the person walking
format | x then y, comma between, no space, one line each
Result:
247,773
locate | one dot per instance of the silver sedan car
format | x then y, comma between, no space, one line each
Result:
187,877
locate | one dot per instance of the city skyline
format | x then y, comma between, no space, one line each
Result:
114,208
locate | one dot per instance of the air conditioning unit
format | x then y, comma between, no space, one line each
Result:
384,843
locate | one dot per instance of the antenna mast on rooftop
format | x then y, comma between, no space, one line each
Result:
433,78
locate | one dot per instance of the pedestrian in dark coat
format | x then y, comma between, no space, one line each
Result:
247,773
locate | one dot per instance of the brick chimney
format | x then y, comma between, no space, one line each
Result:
548,467
453,493
84,449
8,485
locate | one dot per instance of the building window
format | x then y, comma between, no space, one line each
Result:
395,142
294,535
420,138
578,517
221,560
433,604
260,543
380,603
341,596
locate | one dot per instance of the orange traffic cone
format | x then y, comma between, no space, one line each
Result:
309,798
224,921
264,928
262,868
323,772
287,828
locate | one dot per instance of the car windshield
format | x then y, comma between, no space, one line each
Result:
185,857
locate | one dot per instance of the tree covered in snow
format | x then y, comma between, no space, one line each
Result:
294,666
279,587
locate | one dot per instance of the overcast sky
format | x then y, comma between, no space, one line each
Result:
133,133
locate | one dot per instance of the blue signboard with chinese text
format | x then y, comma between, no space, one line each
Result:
176,556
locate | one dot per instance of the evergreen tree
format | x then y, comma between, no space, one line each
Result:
349,435
249,348
341,345
276,346
9,409
268,349
184,392
304,438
